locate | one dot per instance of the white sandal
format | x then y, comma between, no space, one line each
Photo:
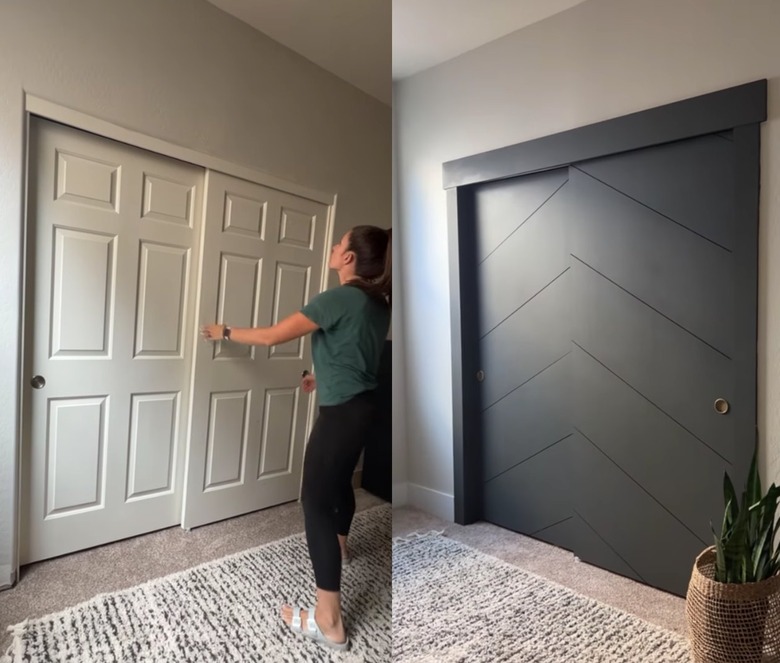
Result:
313,631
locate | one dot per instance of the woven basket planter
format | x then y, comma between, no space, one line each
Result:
730,622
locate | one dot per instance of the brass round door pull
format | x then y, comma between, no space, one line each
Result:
721,406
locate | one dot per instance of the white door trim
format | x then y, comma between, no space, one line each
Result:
78,120
35,105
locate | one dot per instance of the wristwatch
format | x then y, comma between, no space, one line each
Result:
226,333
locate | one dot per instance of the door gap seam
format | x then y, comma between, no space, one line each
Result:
536,294
539,531
524,221
655,405
526,381
655,211
606,543
534,455
650,306
647,492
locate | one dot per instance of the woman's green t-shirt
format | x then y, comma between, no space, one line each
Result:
347,346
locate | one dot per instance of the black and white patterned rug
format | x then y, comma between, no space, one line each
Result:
226,611
452,603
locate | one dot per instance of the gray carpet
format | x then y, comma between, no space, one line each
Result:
226,611
452,603
556,564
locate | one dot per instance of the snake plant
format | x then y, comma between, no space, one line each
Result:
747,549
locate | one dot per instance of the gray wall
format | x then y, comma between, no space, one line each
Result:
598,60
399,353
185,72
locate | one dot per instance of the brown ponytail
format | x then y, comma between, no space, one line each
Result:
372,247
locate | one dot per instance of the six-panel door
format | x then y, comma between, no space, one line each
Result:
262,261
113,235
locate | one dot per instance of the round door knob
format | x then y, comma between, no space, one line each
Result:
38,382
721,406
480,376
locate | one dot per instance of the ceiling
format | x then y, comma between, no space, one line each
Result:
370,43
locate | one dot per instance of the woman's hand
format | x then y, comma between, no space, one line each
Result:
212,332
308,383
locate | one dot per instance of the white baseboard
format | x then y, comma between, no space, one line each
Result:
400,494
6,576
431,501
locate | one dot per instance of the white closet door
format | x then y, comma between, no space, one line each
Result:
262,260
113,233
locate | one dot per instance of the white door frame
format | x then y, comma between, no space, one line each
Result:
34,105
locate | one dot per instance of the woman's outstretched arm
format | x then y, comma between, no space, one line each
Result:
292,327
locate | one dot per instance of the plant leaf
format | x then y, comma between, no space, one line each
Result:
736,550
730,499
754,480
748,547
760,558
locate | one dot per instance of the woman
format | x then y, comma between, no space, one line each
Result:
349,325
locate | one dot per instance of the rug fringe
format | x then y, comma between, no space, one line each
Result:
417,535
15,649
18,629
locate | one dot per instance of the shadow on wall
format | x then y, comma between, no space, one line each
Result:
378,458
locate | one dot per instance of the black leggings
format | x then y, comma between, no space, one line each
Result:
335,443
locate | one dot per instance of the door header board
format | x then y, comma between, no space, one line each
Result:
697,116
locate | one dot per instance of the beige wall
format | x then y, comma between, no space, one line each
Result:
598,60
182,71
